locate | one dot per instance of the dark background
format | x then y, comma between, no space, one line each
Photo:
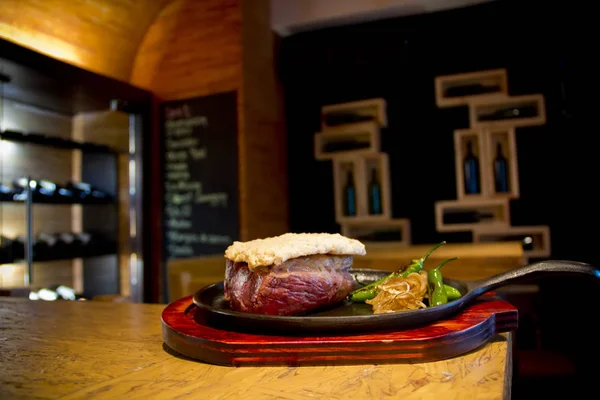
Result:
546,49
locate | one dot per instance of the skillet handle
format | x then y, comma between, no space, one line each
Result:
533,271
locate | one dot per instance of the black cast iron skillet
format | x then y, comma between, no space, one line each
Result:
349,317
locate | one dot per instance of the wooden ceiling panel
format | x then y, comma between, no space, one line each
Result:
102,36
193,48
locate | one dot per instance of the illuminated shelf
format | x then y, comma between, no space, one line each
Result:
512,111
474,213
56,142
356,139
359,167
354,112
535,239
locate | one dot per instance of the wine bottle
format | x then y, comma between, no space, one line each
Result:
45,247
81,191
350,195
82,244
6,193
6,250
374,194
500,171
471,171
65,242
466,217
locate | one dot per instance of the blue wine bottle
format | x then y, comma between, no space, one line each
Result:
350,195
374,194
500,171
471,171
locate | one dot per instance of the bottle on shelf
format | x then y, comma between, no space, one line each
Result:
6,193
510,112
527,241
65,245
6,250
349,195
500,171
374,194
45,246
85,193
471,171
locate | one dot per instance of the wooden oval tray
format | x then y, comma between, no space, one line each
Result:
185,333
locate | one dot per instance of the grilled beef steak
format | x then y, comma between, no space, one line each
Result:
296,286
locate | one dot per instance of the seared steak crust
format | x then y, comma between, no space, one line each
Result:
298,285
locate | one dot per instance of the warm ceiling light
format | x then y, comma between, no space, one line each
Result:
42,43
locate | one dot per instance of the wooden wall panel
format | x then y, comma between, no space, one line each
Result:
263,137
101,35
108,128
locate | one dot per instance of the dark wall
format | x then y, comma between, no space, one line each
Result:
545,49
398,59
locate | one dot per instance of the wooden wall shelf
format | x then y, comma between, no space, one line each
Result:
352,112
535,239
466,215
355,139
359,167
513,111
460,89
53,141
485,143
393,232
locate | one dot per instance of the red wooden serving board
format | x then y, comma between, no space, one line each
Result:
466,331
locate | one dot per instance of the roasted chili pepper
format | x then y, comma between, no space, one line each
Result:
370,291
452,293
437,292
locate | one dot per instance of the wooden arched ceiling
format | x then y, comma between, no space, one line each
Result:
102,36
194,47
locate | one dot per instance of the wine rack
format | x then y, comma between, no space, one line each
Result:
460,89
517,111
392,232
352,177
350,138
467,215
486,165
352,112
70,158
535,239
354,139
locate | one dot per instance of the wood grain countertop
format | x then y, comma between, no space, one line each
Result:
88,349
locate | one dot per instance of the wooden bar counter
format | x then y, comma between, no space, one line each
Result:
90,349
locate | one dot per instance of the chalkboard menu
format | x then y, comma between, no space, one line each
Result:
200,175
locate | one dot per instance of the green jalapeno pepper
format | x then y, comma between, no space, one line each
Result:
452,293
369,291
436,290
